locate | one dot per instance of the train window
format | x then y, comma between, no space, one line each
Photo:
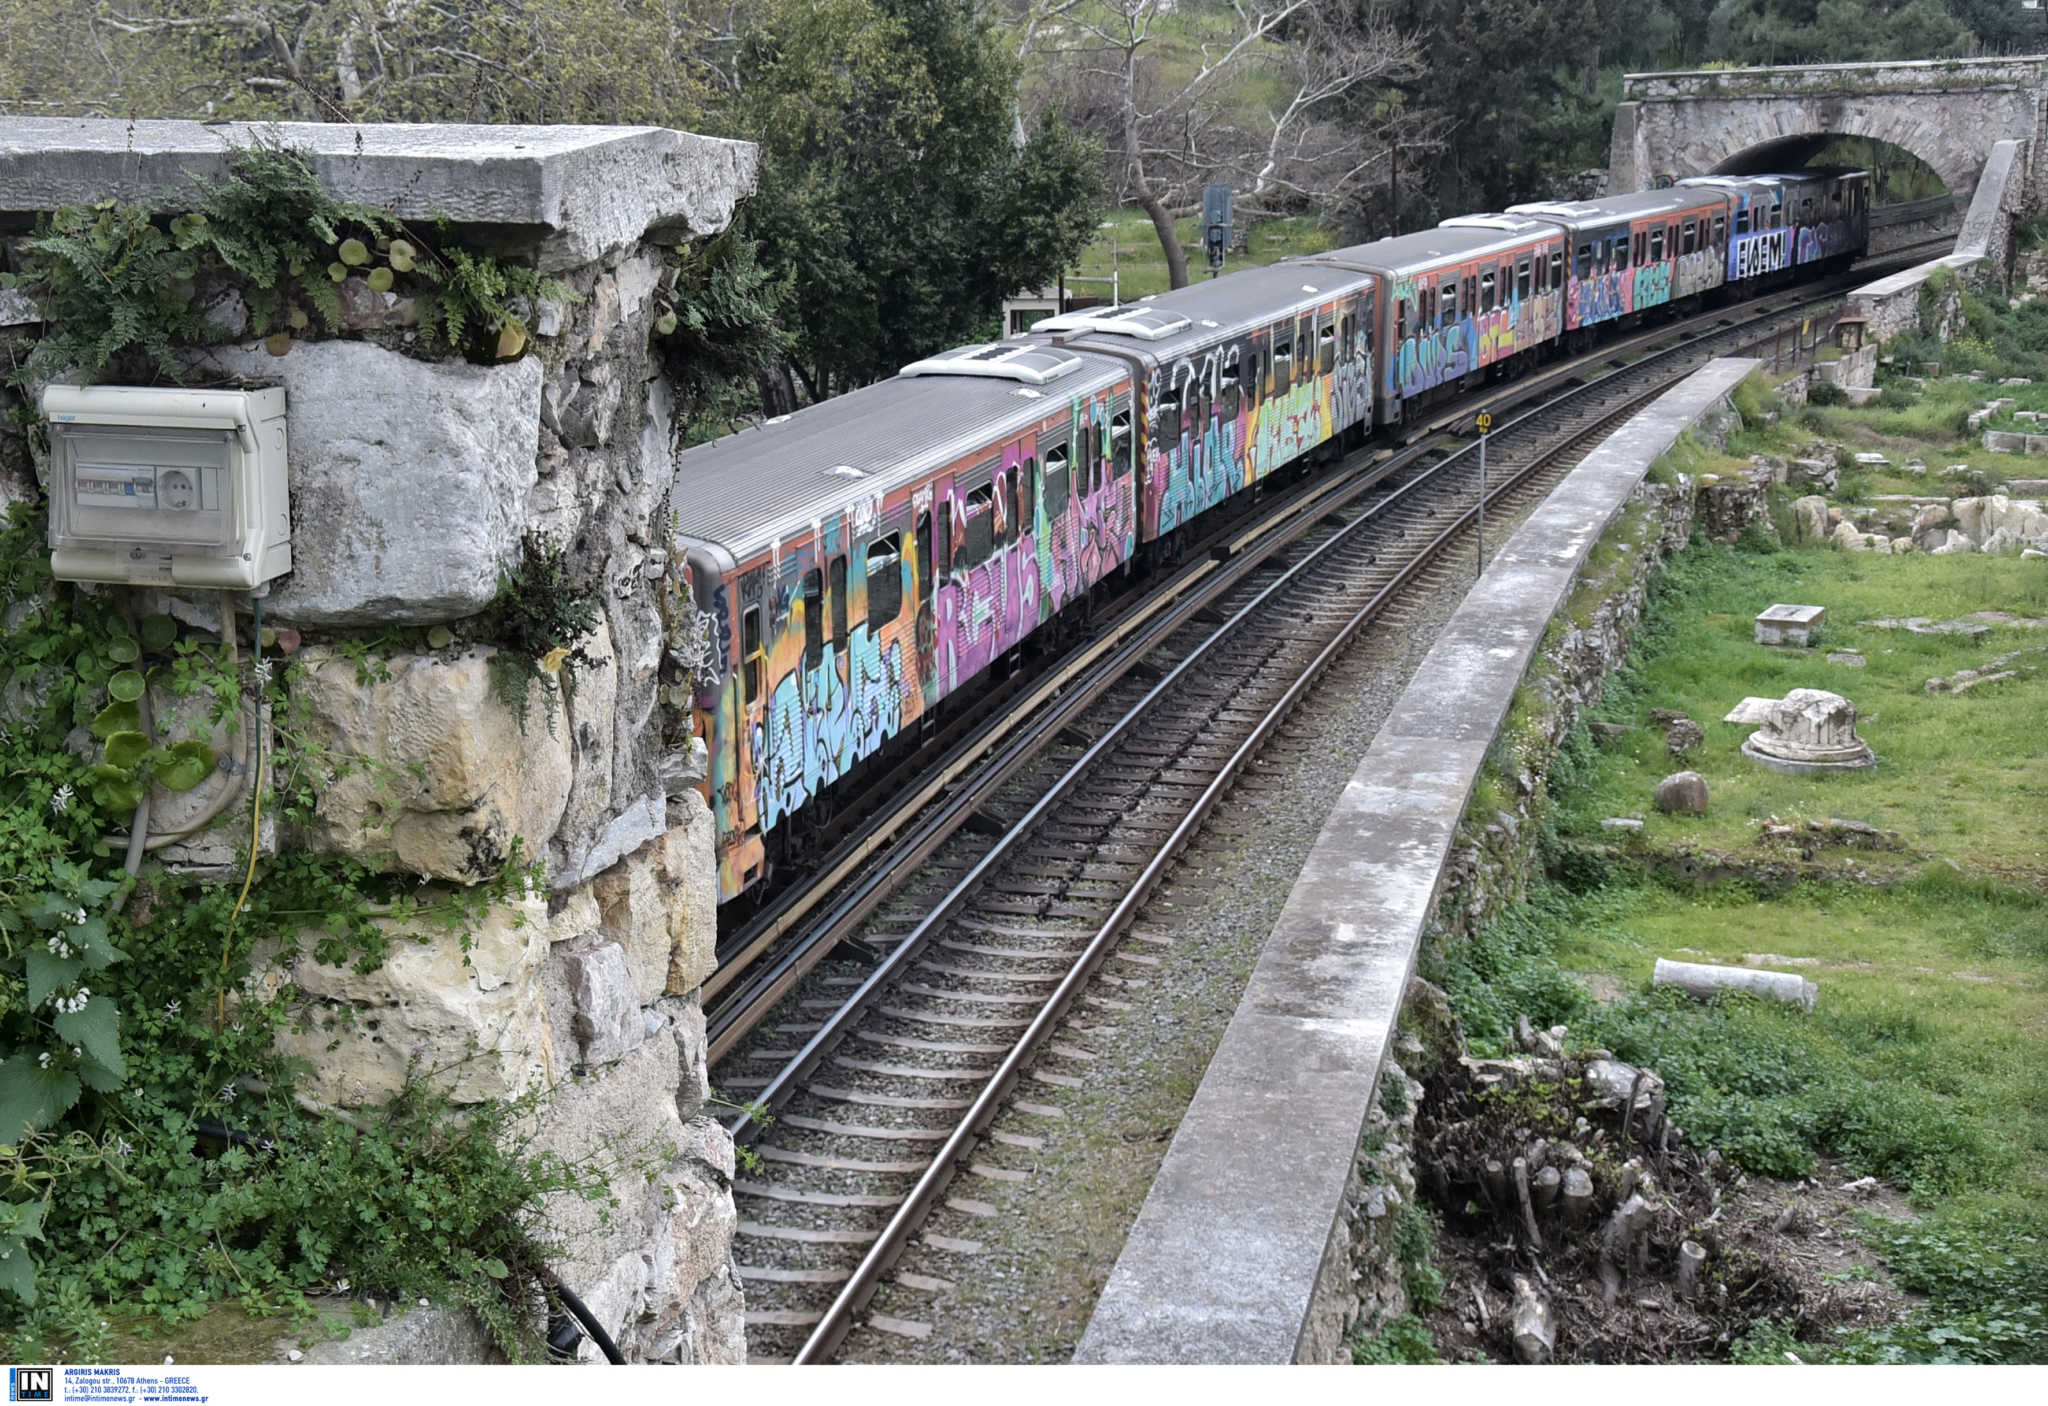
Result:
1227,383
1054,484
750,649
1637,245
1400,319
1326,343
1742,221
1027,492
1004,502
1620,260
1283,367
924,557
1523,272
1169,416
1656,246
1806,209
1447,306
1583,265
1557,270
1688,233
942,531
885,580
1119,441
1720,228
838,594
814,618
981,521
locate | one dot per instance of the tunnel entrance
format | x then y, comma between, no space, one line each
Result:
1897,175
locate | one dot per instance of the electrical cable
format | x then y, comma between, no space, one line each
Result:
584,1316
255,813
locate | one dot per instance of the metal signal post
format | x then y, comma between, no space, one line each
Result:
1485,423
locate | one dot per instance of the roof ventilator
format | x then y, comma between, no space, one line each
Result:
1123,320
1030,362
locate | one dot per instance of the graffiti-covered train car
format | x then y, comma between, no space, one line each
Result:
1240,377
1455,301
858,561
1629,253
1778,223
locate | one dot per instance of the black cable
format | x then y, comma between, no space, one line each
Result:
584,1316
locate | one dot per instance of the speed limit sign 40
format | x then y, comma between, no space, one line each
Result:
1485,421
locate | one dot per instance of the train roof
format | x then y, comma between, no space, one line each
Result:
1425,249
1577,215
748,490
1732,180
1161,326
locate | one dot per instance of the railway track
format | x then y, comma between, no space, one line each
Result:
988,971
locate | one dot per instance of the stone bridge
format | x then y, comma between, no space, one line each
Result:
1948,112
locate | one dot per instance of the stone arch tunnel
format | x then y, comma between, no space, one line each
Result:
1948,113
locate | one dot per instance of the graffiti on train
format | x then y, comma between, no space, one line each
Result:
1753,255
1600,298
1824,241
1210,435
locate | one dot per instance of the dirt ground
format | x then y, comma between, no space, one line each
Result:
1608,1274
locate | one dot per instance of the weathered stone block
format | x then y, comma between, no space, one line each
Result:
608,1020
479,1021
621,1120
591,688
693,904
443,778
581,192
1790,624
683,1018
409,479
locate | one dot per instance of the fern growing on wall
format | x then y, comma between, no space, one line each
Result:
121,287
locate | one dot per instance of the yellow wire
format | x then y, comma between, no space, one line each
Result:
255,836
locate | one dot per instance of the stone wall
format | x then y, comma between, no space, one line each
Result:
416,481
1947,112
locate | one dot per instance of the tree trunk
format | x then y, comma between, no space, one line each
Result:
1169,238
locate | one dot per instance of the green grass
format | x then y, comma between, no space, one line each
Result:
1919,1064
1127,243
1958,775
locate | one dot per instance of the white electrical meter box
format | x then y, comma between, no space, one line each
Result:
168,487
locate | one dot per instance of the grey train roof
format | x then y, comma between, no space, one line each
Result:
1424,249
1213,307
1611,209
747,490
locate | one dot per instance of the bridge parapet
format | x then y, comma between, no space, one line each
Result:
1917,76
1947,112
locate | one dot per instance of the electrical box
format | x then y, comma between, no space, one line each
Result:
168,487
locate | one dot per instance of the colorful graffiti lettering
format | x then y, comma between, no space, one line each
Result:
1652,285
1600,298
1823,241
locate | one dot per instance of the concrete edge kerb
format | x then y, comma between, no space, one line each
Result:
1224,1258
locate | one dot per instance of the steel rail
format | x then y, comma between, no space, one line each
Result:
998,750
836,1321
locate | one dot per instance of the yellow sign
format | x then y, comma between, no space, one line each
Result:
1485,421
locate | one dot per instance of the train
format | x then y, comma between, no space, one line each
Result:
856,564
